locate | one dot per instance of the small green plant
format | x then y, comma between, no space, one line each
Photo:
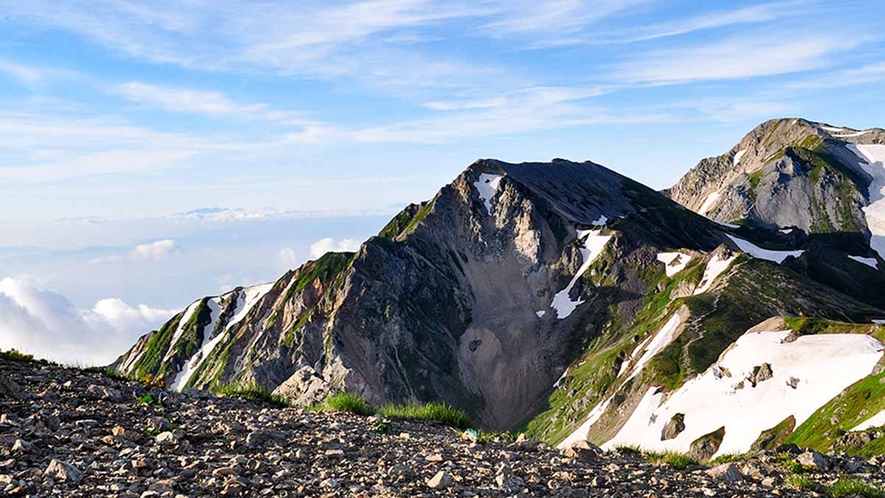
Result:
344,403
629,449
430,412
382,425
254,392
854,487
679,461
108,372
484,437
729,458
799,481
150,400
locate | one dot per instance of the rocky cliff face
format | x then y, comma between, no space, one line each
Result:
548,297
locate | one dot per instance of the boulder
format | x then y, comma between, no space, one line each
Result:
813,459
760,373
704,447
727,472
441,480
62,471
674,427
583,451
10,388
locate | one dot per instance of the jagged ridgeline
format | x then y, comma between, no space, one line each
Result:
558,298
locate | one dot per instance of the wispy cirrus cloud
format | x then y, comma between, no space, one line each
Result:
212,103
753,14
27,74
528,110
844,77
552,23
185,99
746,56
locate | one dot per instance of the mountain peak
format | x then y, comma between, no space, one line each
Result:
786,172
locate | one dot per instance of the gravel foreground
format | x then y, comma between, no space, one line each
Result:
67,432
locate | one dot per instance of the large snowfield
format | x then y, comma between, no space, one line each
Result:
819,366
873,163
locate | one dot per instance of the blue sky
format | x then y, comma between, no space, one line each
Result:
116,115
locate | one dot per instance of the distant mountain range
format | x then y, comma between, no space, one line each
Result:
736,309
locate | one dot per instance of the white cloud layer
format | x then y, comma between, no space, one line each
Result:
287,259
153,251
48,325
329,244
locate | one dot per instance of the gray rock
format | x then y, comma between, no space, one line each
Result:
813,459
760,373
674,427
166,439
399,470
21,446
583,451
10,388
727,472
261,437
441,480
63,471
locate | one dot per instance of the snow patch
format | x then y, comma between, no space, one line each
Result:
246,301
871,262
714,268
591,248
580,434
760,253
649,348
823,364
879,322
708,204
487,186
877,420
726,225
836,130
541,313
738,156
561,378
786,230
601,221
873,157
194,362
852,135
674,262
188,314
655,345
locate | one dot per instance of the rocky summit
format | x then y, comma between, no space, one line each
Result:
73,433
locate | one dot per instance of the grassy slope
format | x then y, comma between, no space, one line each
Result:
856,404
595,371
754,292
